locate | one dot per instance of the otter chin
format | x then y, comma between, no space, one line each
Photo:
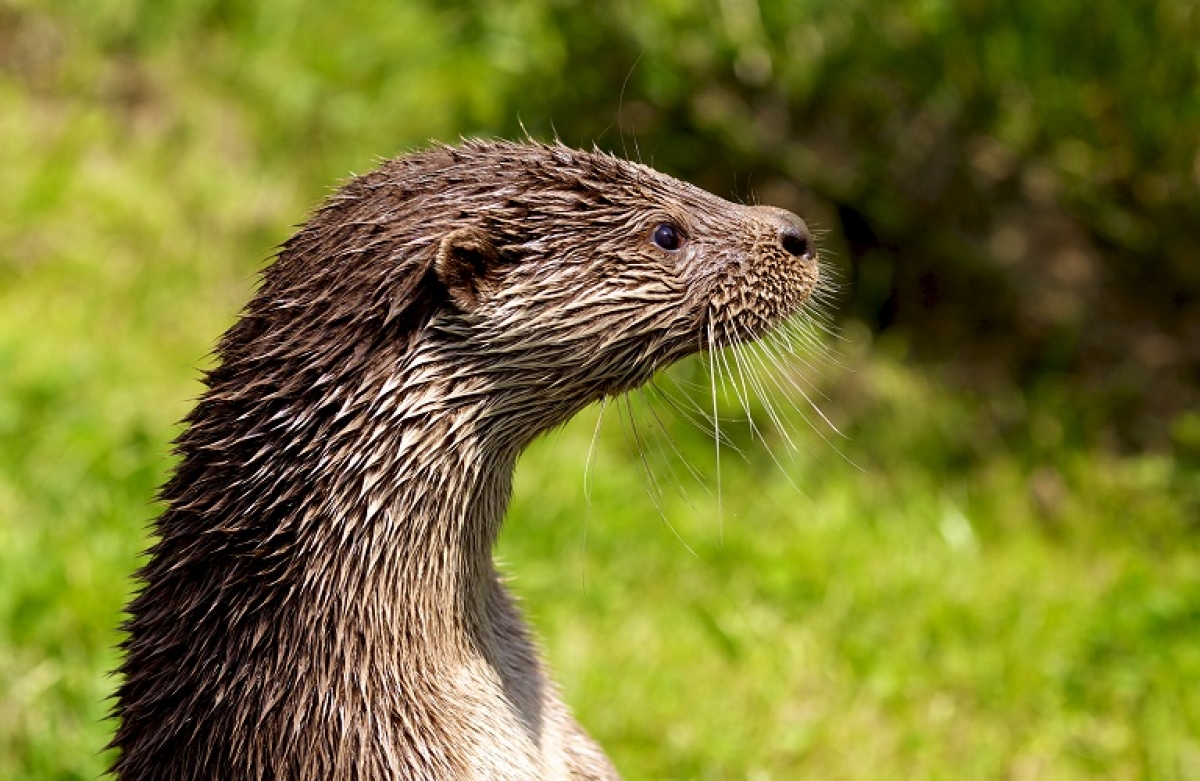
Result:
321,601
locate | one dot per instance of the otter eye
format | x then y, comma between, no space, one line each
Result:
667,236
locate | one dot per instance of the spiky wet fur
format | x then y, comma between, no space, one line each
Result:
321,601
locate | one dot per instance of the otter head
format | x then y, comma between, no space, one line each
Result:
593,272
552,276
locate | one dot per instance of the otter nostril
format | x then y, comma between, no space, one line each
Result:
795,242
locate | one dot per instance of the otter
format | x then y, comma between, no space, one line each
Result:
321,600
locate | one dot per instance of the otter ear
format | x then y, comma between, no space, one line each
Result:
464,261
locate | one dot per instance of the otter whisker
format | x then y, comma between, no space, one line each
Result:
743,355
775,371
783,429
781,376
746,351
664,433
685,406
784,381
587,484
739,391
712,376
651,483
700,417
781,358
747,379
591,454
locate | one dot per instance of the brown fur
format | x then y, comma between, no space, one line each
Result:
321,600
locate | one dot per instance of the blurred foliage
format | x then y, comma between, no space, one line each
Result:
987,583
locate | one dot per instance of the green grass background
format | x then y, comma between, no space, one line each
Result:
953,587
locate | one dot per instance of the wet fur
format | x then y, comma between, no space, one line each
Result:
321,600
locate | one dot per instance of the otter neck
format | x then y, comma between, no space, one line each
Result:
427,520
400,516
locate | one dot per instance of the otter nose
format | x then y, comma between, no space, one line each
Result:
791,232
797,241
